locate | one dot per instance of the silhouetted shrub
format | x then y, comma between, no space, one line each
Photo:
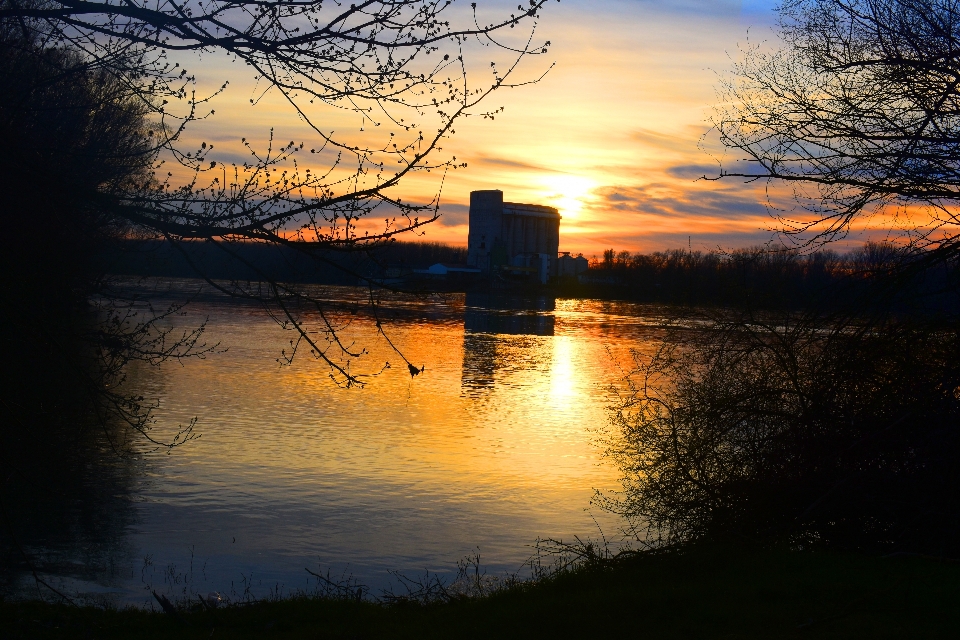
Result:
837,431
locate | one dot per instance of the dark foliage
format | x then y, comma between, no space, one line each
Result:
273,262
79,142
76,142
839,430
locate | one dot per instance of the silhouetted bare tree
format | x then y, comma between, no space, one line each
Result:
399,63
858,110
94,111
78,145
795,429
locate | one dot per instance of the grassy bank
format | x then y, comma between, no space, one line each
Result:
697,594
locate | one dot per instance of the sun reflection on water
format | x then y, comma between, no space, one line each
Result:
492,446
562,382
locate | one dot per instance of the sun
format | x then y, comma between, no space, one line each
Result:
567,192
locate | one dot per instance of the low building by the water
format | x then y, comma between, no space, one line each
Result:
444,269
571,266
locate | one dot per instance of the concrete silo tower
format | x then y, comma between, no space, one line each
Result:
510,234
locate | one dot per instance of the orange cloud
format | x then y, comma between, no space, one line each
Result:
614,135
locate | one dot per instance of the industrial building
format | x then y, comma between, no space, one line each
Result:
571,266
512,237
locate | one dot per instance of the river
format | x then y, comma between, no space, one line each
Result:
492,447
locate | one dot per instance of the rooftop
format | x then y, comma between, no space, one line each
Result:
528,209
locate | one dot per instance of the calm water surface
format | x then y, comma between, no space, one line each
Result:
492,447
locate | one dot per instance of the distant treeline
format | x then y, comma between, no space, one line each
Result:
763,278
255,261
755,277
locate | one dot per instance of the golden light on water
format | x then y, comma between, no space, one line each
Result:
563,380
494,445
513,415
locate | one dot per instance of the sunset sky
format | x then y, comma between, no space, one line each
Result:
613,135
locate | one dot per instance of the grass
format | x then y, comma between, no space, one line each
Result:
699,593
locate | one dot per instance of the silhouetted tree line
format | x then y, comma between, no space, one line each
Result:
277,263
762,278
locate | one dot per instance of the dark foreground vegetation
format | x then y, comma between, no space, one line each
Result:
832,431
820,406
717,592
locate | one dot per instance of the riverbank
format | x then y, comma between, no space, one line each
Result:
700,593
745,278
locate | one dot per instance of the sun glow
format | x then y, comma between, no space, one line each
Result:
568,193
611,136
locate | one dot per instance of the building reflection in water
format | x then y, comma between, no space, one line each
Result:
488,318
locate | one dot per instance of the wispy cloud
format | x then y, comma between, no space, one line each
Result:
664,200
511,164
453,215
693,171
658,140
